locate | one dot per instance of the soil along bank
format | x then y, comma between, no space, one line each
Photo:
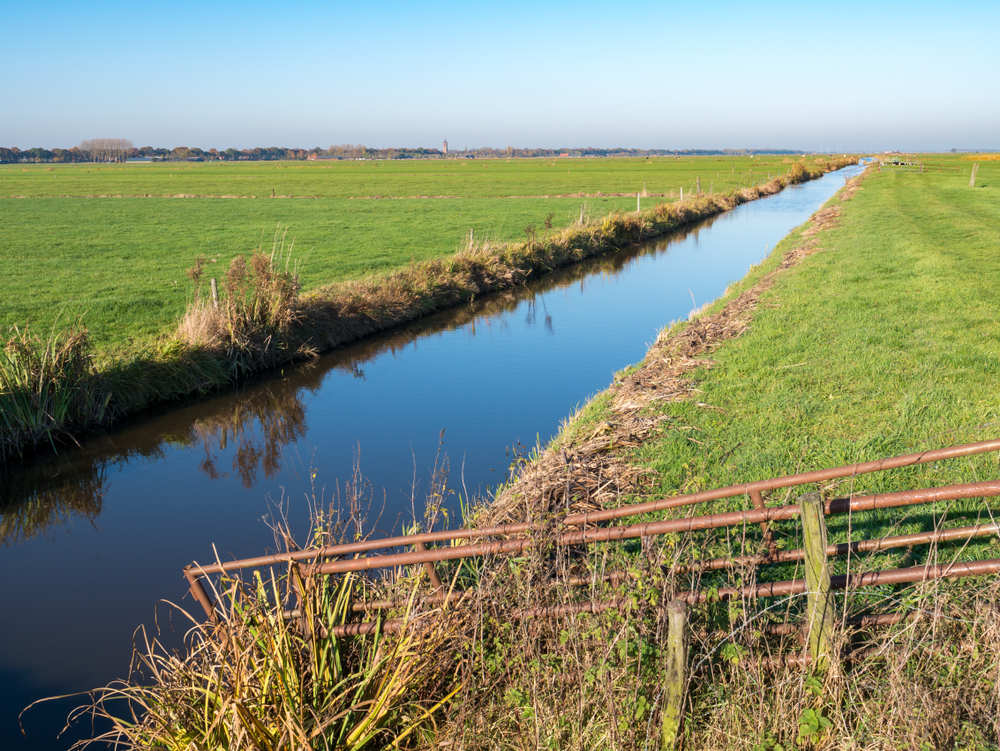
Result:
871,332
263,321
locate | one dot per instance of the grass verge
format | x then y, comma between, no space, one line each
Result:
869,332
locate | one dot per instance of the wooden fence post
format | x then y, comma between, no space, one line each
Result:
697,183
638,208
215,293
682,194
581,213
675,680
819,607
972,178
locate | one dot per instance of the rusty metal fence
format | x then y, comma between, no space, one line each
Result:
582,529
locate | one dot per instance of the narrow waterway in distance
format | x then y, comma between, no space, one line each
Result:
92,539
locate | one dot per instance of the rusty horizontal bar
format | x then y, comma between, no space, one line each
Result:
667,526
820,475
857,621
804,659
505,530
843,548
910,575
956,570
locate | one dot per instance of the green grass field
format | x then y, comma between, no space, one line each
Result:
119,261
884,342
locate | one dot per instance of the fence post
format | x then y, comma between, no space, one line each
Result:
819,606
675,681
697,183
972,178
638,208
682,194
581,213
215,293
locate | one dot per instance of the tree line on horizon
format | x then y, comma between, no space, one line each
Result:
117,150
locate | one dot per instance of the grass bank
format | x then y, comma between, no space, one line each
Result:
870,332
111,242
264,321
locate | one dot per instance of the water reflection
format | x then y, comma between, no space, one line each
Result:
244,433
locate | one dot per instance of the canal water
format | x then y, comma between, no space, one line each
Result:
93,539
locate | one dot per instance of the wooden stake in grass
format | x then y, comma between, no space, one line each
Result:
638,207
215,292
972,177
819,608
675,680
697,185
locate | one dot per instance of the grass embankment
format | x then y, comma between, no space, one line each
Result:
119,260
263,321
872,332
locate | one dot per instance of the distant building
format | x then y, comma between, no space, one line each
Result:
446,147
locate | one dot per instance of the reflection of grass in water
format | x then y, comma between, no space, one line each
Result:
34,506
47,493
497,304
281,419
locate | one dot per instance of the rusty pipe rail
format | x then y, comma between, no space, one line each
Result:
837,549
515,546
913,574
753,489
843,548
668,526
787,556
956,570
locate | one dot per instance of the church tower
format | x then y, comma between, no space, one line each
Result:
446,147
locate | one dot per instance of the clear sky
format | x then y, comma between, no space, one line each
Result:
819,76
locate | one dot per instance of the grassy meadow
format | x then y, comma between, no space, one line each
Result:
119,260
885,340
871,331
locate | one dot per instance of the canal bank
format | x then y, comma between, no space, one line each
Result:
869,332
56,389
102,532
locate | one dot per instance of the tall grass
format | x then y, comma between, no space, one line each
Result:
271,675
250,327
46,388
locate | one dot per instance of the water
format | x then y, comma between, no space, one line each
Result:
95,537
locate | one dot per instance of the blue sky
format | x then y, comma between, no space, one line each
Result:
831,77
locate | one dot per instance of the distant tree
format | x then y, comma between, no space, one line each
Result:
107,149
